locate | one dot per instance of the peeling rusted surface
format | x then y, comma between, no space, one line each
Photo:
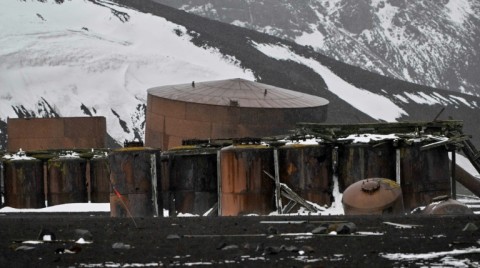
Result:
66,181
24,184
99,180
133,178
189,179
307,170
373,196
358,161
424,175
244,187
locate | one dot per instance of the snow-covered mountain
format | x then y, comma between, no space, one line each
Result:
433,43
98,57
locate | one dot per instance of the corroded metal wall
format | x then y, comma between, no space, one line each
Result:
24,184
244,187
307,170
358,161
66,181
135,190
189,178
168,122
424,174
56,133
99,180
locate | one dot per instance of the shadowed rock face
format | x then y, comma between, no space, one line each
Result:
433,43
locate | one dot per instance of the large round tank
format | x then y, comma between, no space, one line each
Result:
244,187
374,196
234,108
99,180
357,161
66,182
424,174
134,186
307,170
447,206
189,174
23,182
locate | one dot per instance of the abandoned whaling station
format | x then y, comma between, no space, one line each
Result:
237,147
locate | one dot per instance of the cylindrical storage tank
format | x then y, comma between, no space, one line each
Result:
357,161
374,196
307,170
447,206
244,187
66,182
191,174
99,180
424,174
233,108
23,183
134,186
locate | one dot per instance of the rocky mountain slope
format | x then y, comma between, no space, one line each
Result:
433,43
73,58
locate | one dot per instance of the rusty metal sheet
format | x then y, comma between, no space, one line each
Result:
66,181
99,180
23,184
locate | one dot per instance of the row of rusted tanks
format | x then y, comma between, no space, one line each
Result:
228,178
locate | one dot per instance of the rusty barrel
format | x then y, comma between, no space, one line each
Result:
307,170
99,179
244,187
66,182
134,186
424,174
357,161
373,196
189,175
443,205
23,182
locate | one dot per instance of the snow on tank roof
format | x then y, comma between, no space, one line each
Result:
238,92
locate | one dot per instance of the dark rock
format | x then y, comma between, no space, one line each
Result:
272,230
346,228
470,227
307,249
221,245
320,230
272,250
85,234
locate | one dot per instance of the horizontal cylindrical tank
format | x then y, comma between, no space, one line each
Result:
99,180
23,182
357,161
470,182
134,185
66,181
374,196
307,170
189,179
424,174
446,206
244,187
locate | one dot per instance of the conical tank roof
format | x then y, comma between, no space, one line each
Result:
238,92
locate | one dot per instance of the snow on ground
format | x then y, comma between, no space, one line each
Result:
72,207
79,53
376,106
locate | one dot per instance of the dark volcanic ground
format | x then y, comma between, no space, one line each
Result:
234,241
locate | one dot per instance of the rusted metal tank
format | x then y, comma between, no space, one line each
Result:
444,205
373,196
23,183
99,179
357,161
66,182
424,174
134,185
244,187
189,179
307,170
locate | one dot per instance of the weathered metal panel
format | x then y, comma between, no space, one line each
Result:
66,181
24,184
245,188
307,170
358,161
99,180
131,178
424,174
189,175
